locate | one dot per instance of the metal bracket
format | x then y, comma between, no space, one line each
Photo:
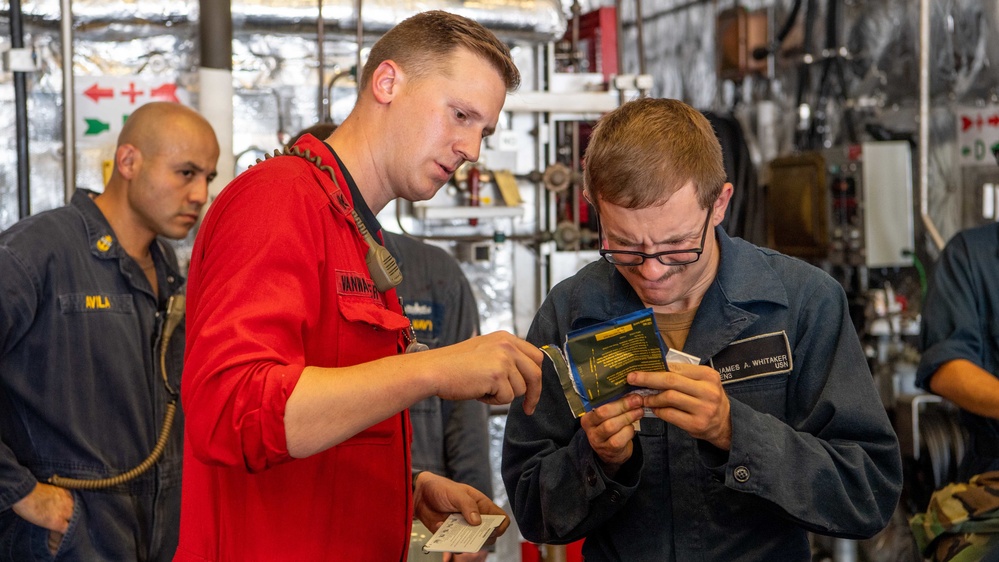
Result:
907,412
19,60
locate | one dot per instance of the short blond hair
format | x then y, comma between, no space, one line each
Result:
646,150
423,43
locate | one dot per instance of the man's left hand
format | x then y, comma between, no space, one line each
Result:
692,399
436,497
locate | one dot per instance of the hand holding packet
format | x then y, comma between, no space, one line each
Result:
594,361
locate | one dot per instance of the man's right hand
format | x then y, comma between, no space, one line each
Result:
494,368
610,431
47,506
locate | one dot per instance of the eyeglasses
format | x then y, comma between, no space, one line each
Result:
669,257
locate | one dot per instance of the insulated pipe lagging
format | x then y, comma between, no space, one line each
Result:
68,102
924,124
21,115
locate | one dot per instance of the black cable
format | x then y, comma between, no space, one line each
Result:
851,128
761,53
832,44
804,74
789,22
21,114
822,92
832,69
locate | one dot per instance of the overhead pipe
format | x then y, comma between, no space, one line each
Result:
324,109
215,79
473,192
360,45
21,115
495,236
621,44
326,90
576,156
639,30
619,18
531,21
68,101
680,8
924,123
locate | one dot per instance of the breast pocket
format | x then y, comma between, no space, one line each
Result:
91,319
765,394
370,331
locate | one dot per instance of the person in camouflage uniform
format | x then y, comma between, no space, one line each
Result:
961,523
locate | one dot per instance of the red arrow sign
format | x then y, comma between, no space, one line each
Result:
966,123
167,91
994,120
95,93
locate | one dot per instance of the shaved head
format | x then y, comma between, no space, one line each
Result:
155,125
164,161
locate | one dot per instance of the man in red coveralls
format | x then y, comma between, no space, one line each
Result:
295,384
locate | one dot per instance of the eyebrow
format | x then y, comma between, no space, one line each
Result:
190,164
475,115
669,241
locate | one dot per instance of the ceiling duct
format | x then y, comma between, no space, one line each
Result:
534,21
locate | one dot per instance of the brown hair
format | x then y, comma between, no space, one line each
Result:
321,131
646,150
423,43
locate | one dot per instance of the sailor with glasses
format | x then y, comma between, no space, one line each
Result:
666,257
778,431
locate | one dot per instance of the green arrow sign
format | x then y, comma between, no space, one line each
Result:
95,127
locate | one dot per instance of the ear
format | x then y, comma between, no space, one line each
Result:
385,81
721,204
127,160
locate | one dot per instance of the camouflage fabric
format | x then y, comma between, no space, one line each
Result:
961,523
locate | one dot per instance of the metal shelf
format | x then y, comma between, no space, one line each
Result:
425,212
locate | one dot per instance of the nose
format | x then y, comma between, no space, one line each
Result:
469,146
651,269
199,193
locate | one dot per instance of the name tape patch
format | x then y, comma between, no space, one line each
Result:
758,356
354,284
95,303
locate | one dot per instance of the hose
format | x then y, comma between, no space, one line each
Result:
382,266
174,314
86,484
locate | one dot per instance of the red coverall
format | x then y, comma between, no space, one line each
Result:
278,282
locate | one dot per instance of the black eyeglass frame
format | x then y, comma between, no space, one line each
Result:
658,256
